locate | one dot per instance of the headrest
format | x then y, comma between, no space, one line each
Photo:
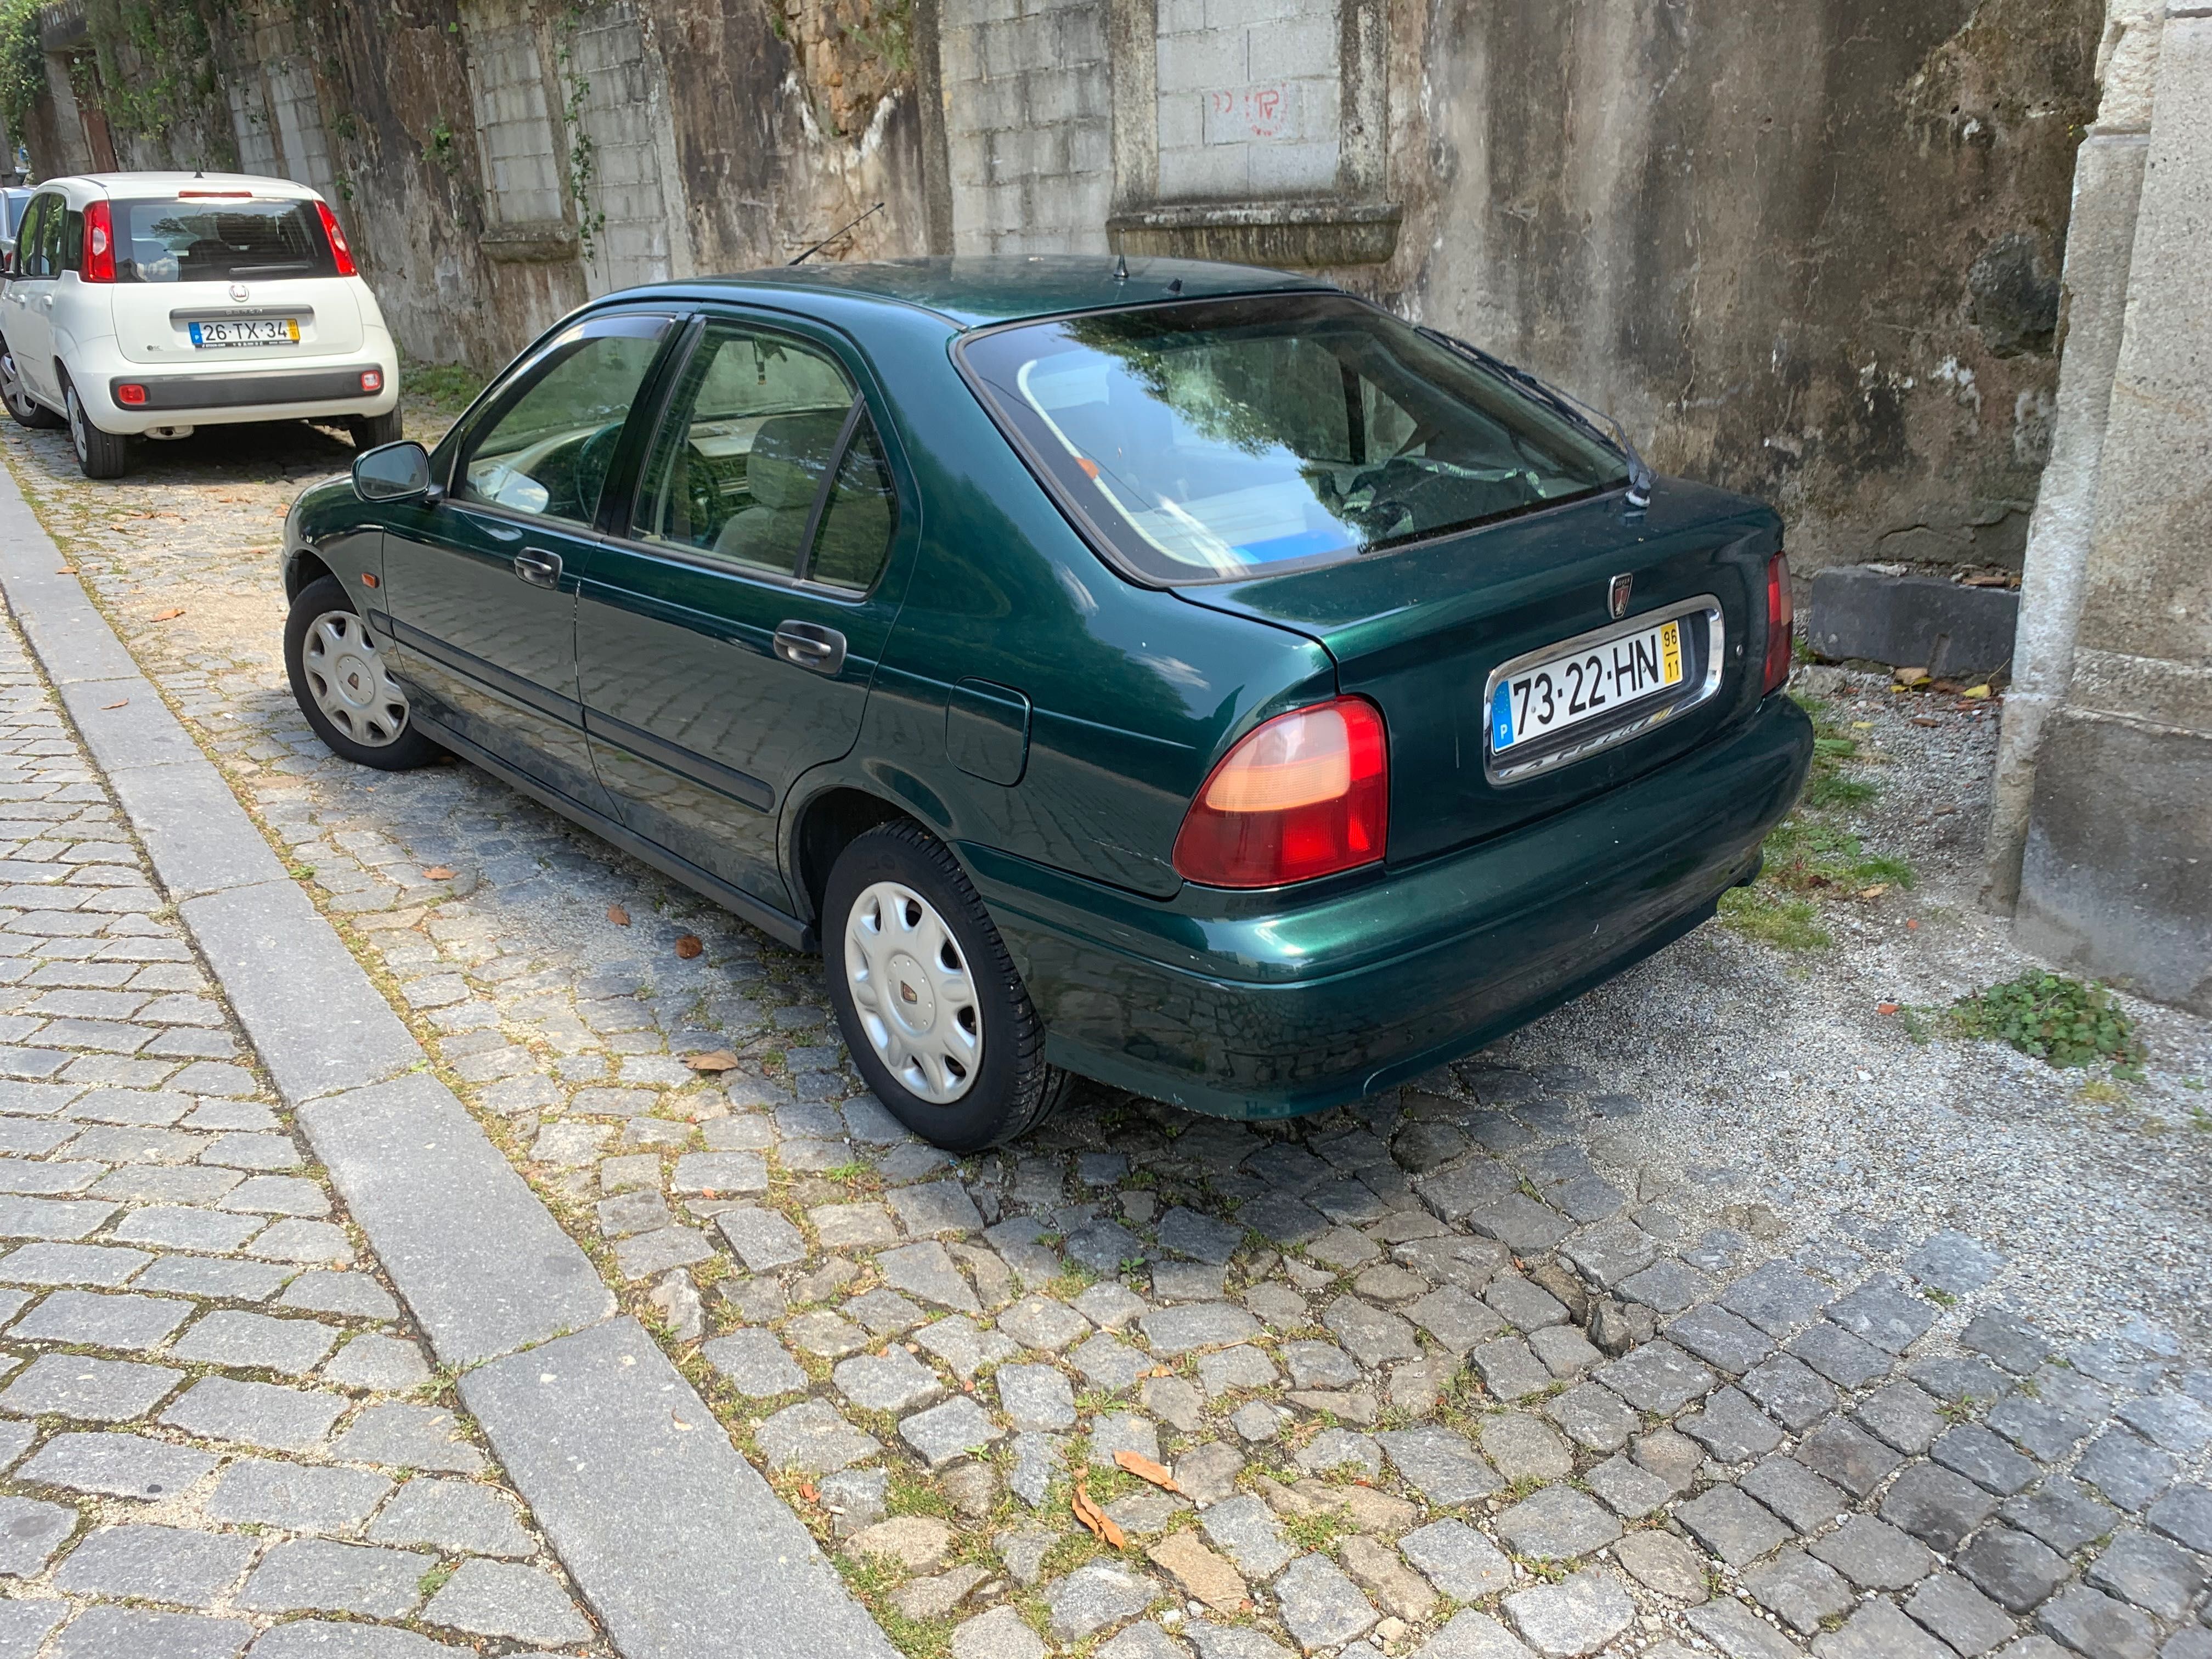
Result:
788,454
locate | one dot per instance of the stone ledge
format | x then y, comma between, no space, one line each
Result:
1303,235
1921,621
550,242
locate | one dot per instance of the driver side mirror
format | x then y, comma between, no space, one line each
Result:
393,473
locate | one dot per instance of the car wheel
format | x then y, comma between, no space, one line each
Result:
26,409
374,431
931,1006
99,454
343,681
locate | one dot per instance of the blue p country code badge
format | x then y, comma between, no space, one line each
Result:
1501,717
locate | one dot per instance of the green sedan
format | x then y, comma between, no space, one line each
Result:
1180,675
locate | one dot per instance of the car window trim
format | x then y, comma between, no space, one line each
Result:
798,580
518,379
1094,536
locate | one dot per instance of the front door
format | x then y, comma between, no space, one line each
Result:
479,588
726,643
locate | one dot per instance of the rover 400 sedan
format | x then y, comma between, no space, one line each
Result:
1180,675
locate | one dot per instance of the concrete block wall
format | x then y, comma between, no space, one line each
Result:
297,114
1029,124
522,156
620,114
258,151
1250,99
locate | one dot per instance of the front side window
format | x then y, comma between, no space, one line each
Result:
746,467
219,241
1228,438
546,444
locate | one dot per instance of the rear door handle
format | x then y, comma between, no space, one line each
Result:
809,645
538,568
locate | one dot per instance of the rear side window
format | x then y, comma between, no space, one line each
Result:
222,240
1228,438
27,256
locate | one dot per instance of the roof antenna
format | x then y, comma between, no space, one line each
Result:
1120,267
835,235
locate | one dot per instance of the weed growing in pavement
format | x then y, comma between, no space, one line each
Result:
1809,857
2058,1020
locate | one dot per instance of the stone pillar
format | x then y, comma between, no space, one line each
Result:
2100,235
2117,875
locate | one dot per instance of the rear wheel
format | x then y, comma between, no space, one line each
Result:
344,682
935,1015
99,454
26,409
374,431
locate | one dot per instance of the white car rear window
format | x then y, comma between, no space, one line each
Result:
220,241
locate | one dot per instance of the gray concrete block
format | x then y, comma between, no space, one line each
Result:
124,723
681,1548
105,1633
1920,622
480,1262
156,1563
319,1023
118,1465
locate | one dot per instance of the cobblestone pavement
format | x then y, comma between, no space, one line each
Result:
1709,1315
216,1427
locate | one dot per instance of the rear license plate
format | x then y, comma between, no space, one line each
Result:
1576,686
244,331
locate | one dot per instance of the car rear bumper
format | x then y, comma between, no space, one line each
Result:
179,394
1222,1004
324,387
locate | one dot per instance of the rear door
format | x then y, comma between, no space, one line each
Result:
27,317
726,642
220,277
480,587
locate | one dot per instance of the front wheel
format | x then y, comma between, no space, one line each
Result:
26,409
344,682
931,1006
99,454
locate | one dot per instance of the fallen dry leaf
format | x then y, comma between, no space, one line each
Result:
1144,1469
116,705
688,947
1911,926
437,872
1979,693
679,1422
618,915
170,614
806,1491
1097,1519
1875,891
66,570
1885,1007
715,1059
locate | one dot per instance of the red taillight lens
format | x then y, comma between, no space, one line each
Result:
372,380
340,251
98,265
1306,794
130,392
1779,641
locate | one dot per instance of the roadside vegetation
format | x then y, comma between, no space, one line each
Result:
2061,1021
1813,862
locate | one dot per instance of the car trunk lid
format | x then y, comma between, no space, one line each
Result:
1423,631
153,321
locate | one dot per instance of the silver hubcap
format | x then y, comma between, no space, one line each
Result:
910,984
76,426
350,684
11,385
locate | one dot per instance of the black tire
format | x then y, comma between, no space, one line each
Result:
1013,1089
99,454
406,748
374,431
27,411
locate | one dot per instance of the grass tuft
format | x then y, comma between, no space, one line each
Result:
2058,1020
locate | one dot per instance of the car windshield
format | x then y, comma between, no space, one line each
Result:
1228,437
230,240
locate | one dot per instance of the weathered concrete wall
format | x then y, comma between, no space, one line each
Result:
1807,247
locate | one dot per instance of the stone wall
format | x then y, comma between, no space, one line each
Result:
1809,248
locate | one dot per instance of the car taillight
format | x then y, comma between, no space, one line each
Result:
372,380
1779,641
98,265
130,392
1306,794
339,249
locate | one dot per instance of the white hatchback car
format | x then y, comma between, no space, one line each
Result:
155,303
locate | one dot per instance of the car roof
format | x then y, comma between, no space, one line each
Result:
973,291
168,183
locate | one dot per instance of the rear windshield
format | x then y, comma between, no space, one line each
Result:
1228,437
219,242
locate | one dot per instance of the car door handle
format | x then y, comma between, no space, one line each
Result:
537,568
809,645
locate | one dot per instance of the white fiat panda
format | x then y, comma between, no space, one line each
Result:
155,302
